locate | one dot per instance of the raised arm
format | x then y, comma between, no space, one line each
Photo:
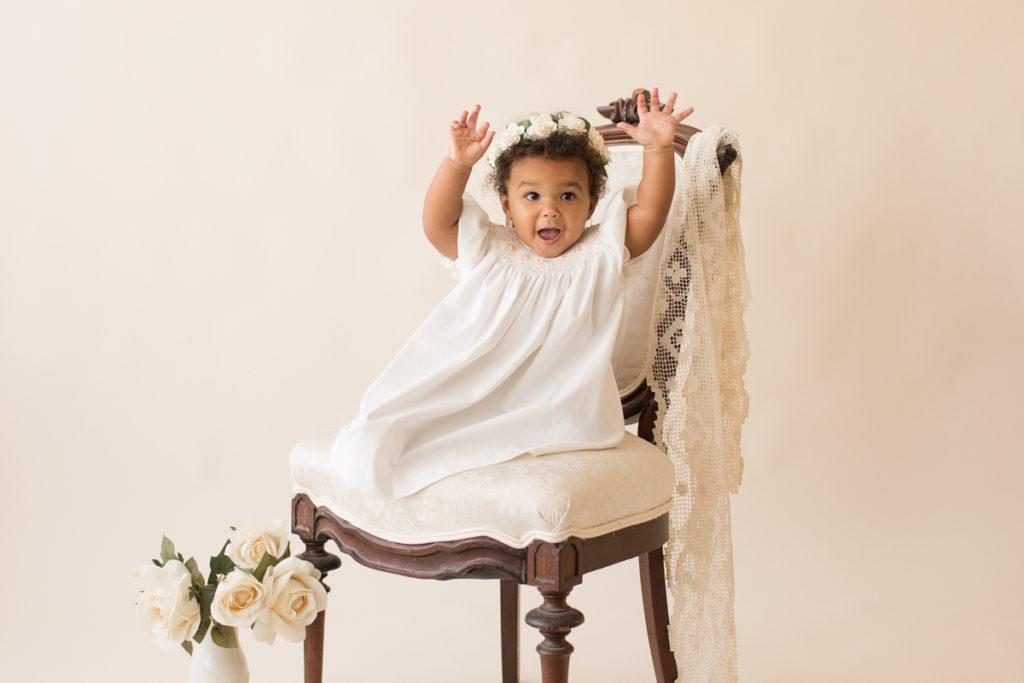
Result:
443,203
656,131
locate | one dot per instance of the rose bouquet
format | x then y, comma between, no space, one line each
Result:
253,583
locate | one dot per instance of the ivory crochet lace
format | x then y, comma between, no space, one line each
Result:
695,368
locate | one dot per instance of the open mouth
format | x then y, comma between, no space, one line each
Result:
548,236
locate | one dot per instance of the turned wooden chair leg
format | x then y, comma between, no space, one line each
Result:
554,619
313,647
313,650
652,585
509,631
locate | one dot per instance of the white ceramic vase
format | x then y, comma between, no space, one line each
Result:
215,664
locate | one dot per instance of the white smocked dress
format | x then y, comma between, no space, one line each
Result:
515,360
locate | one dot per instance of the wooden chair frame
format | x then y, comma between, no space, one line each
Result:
554,568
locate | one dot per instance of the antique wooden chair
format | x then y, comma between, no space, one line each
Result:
540,521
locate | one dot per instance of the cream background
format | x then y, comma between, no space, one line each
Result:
209,246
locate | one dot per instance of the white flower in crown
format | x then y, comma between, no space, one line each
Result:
493,152
597,142
573,123
511,135
541,126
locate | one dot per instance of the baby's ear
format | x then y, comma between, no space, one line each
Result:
593,205
504,202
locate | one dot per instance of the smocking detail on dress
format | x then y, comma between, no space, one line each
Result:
512,251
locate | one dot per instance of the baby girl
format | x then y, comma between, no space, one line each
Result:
516,359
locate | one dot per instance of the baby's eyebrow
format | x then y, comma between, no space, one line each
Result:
530,183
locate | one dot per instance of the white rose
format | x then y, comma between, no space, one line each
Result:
249,542
597,142
165,606
509,136
541,126
238,599
573,123
492,154
294,596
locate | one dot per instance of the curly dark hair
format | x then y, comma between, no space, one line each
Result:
559,145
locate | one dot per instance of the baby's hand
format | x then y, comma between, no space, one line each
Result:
657,126
466,142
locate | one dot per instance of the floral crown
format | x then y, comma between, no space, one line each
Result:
541,126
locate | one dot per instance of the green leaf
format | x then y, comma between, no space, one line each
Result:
193,569
166,550
287,551
188,647
220,564
158,563
266,563
224,636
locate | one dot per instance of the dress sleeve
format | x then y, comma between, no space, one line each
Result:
474,238
613,222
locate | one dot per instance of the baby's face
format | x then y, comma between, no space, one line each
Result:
549,202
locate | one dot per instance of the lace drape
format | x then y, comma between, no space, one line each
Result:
695,368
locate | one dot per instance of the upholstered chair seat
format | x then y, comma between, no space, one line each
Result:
547,498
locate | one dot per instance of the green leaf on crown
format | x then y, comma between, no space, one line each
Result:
188,647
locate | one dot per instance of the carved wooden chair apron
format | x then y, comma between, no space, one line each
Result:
522,546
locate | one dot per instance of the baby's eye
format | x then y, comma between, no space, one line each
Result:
568,196
532,195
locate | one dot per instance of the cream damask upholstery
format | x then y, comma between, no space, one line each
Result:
547,498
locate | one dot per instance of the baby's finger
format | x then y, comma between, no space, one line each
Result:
641,104
471,122
683,114
483,129
671,102
487,140
628,128
655,102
